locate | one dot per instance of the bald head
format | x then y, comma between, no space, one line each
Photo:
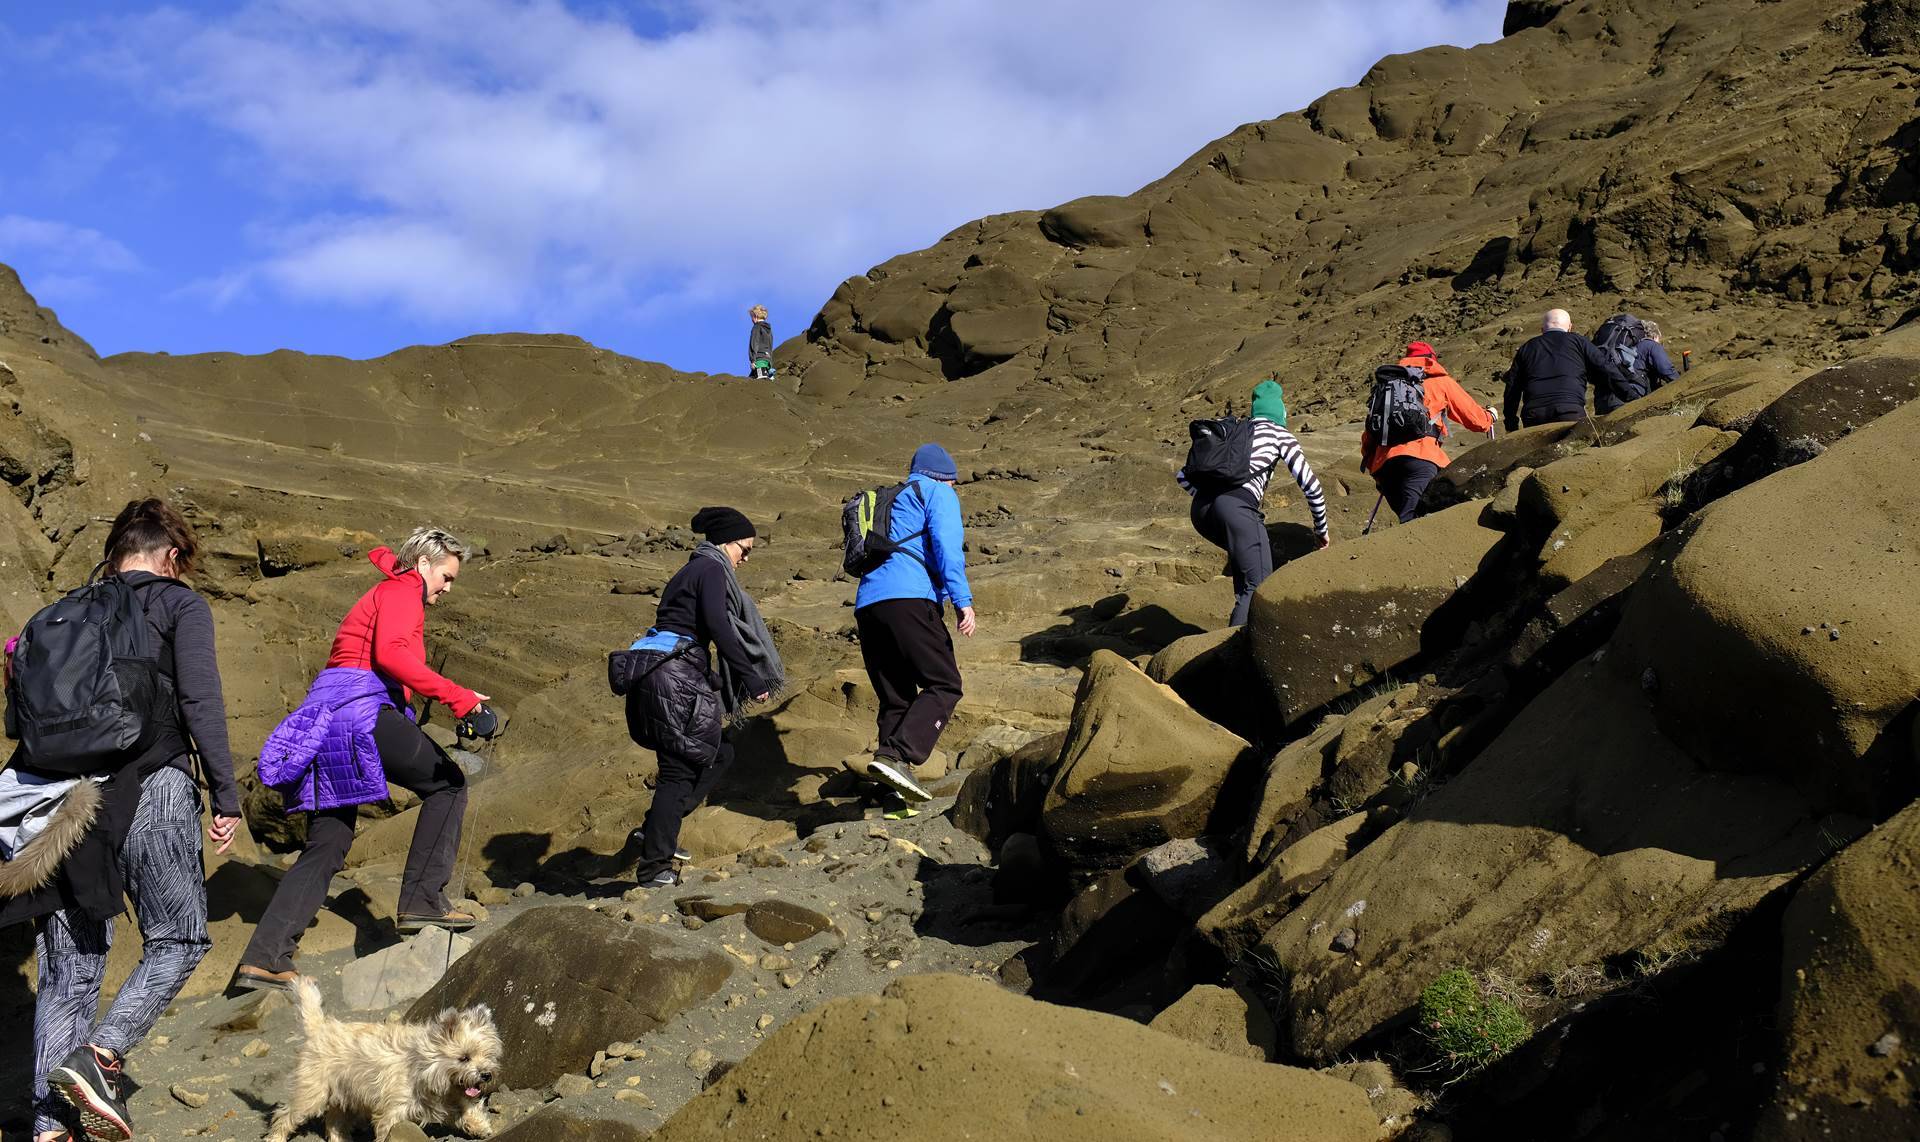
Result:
1557,321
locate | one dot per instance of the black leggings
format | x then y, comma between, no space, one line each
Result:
413,762
1232,522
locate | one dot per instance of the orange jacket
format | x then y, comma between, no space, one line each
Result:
1444,395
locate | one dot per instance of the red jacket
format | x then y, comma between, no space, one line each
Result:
1444,394
386,632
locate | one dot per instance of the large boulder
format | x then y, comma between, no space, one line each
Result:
565,981
1227,1019
1850,995
1214,673
1139,767
1785,636
1806,420
941,1056
1579,835
1342,618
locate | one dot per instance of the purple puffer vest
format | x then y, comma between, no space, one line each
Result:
322,755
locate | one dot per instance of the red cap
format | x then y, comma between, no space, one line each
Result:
1420,349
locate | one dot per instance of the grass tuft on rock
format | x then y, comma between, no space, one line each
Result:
1465,1028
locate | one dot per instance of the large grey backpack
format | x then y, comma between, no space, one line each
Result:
1397,408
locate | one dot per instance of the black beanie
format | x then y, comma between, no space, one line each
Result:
722,525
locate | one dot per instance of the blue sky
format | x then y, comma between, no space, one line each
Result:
353,176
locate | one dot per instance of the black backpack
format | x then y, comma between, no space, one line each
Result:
1220,455
866,530
1619,337
1397,409
85,692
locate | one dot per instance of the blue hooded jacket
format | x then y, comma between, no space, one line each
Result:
925,503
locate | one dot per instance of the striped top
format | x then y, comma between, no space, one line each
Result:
1273,446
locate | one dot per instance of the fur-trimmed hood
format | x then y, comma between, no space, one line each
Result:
39,860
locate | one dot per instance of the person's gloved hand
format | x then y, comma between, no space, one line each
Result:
480,722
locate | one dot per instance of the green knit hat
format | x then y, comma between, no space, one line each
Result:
1269,402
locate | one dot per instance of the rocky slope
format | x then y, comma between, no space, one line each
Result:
1595,733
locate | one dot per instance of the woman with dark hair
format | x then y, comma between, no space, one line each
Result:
353,735
78,1062
677,704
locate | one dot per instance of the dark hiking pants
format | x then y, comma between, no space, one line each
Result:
679,788
167,885
1232,522
1403,481
412,761
908,652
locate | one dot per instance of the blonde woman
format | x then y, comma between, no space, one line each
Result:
353,735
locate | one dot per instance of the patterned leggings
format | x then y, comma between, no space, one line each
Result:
167,883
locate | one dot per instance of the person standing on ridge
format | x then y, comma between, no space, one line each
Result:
904,639
1226,512
355,733
154,853
760,345
1402,471
676,705
1548,381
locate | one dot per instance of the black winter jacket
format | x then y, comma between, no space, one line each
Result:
675,706
1549,378
760,342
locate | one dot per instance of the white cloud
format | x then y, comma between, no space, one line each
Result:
67,260
503,158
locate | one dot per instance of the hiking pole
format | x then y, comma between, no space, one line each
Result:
1376,511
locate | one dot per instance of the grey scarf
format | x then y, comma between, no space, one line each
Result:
751,630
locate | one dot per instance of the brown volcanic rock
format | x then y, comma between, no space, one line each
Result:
1139,767
563,982
1344,617
1581,834
937,1051
1795,591
1850,994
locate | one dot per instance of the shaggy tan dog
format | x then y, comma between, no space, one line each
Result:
437,1071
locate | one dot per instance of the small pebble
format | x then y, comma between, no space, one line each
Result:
571,1086
701,1061
1833,634
633,1096
620,1050
1885,1045
790,979
185,1097
764,1022
523,890
255,1048
1345,939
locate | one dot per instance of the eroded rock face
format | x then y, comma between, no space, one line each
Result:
947,1049
1225,1019
1790,609
1850,994
563,982
1581,833
1139,768
1341,618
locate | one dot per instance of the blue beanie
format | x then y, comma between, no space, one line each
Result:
932,460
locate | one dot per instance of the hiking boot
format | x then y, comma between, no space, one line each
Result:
89,1081
451,920
250,978
894,807
665,878
637,839
897,776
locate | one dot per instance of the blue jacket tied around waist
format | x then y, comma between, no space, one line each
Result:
322,755
931,505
